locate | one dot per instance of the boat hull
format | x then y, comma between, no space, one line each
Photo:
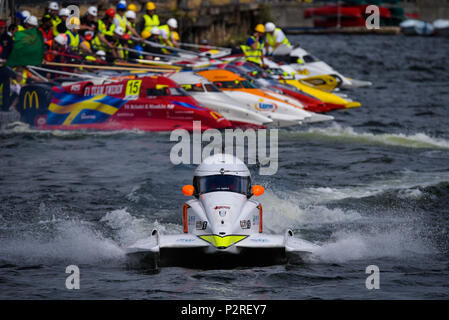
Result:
85,106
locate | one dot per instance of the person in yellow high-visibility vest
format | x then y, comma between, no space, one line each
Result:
274,38
253,48
103,38
52,10
61,27
131,16
22,16
121,20
150,18
168,30
73,37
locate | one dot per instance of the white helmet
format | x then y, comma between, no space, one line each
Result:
26,14
64,12
100,53
172,23
222,172
61,39
32,21
269,27
53,6
130,14
156,31
222,163
119,30
92,11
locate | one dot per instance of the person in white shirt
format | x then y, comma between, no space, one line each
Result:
275,38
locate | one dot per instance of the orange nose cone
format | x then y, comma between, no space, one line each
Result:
258,190
188,190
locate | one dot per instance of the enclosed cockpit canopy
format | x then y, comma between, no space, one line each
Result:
222,172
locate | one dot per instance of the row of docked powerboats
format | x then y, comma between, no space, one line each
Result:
415,27
216,87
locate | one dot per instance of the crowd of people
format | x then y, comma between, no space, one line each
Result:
92,36
116,35
265,40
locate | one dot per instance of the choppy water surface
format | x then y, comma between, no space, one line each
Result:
372,188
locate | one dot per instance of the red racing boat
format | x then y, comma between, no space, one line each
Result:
148,103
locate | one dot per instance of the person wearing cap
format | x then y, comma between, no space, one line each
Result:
31,22
52,10
274,37
150,19
86,43
56,48
89,21
46,28
73,37
253,48
61,26
153,36
57,52
22,16
103,39
121,20
167,33
121,41
131,17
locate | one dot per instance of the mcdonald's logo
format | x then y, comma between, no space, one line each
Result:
29,98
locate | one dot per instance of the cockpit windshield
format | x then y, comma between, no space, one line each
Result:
222,183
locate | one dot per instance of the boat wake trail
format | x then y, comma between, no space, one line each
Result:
347,246
69,241
348,134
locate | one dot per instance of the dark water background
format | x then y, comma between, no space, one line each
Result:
372,188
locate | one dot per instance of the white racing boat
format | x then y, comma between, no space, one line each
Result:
413,27
306,66
441,27
239,89
266,87
210,96
222,225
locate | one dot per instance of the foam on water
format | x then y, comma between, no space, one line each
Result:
285,210
406,183
24,128
128,229
73,241
348,134
354,245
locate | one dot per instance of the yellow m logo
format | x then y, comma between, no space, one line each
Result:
29,98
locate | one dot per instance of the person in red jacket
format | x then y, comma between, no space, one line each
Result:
46,28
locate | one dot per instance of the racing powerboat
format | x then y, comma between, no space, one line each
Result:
333,100
441,27
282,113
307,65
413,27
147,103
209,95
280,91
267,80
222,226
